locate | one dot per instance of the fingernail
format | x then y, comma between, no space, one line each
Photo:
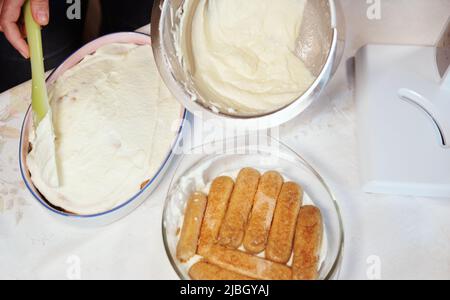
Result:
24,54
42,17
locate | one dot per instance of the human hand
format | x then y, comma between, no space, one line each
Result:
12,25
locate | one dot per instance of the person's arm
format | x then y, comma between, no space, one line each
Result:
10,13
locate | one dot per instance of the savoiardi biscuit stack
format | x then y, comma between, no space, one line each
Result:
253,228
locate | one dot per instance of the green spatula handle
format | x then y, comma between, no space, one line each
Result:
39,96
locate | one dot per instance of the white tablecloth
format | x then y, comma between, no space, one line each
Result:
394,237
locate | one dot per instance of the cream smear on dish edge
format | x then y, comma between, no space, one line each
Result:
113,118
242,55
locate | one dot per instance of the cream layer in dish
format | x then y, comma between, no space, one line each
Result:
114,121
242,55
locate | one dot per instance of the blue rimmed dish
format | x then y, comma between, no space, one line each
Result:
127,206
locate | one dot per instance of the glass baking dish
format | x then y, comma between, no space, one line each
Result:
202,164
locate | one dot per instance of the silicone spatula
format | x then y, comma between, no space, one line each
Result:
39,97
40,103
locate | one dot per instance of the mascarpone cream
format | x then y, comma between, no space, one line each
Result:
114,122
242,54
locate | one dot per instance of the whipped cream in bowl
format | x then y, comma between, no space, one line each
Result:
257,63
116,128
245,58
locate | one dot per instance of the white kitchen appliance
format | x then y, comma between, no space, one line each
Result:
403,109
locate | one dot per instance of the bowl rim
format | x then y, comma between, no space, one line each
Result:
337,260
28,115
262,121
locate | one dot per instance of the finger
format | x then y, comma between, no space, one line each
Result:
9,16
10,11
40,11
1,5
13,35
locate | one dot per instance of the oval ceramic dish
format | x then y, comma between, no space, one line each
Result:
127,205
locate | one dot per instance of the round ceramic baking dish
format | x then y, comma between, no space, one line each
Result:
127,205
329,23
204,163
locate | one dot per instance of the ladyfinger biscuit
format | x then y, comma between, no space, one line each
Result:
281,236
193,217
258,227
247,264
307,243
206,271
218,199
143,184
241,203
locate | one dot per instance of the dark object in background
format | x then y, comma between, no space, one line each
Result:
60,38
125,15
63,36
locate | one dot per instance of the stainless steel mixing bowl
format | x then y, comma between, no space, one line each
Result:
321,45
